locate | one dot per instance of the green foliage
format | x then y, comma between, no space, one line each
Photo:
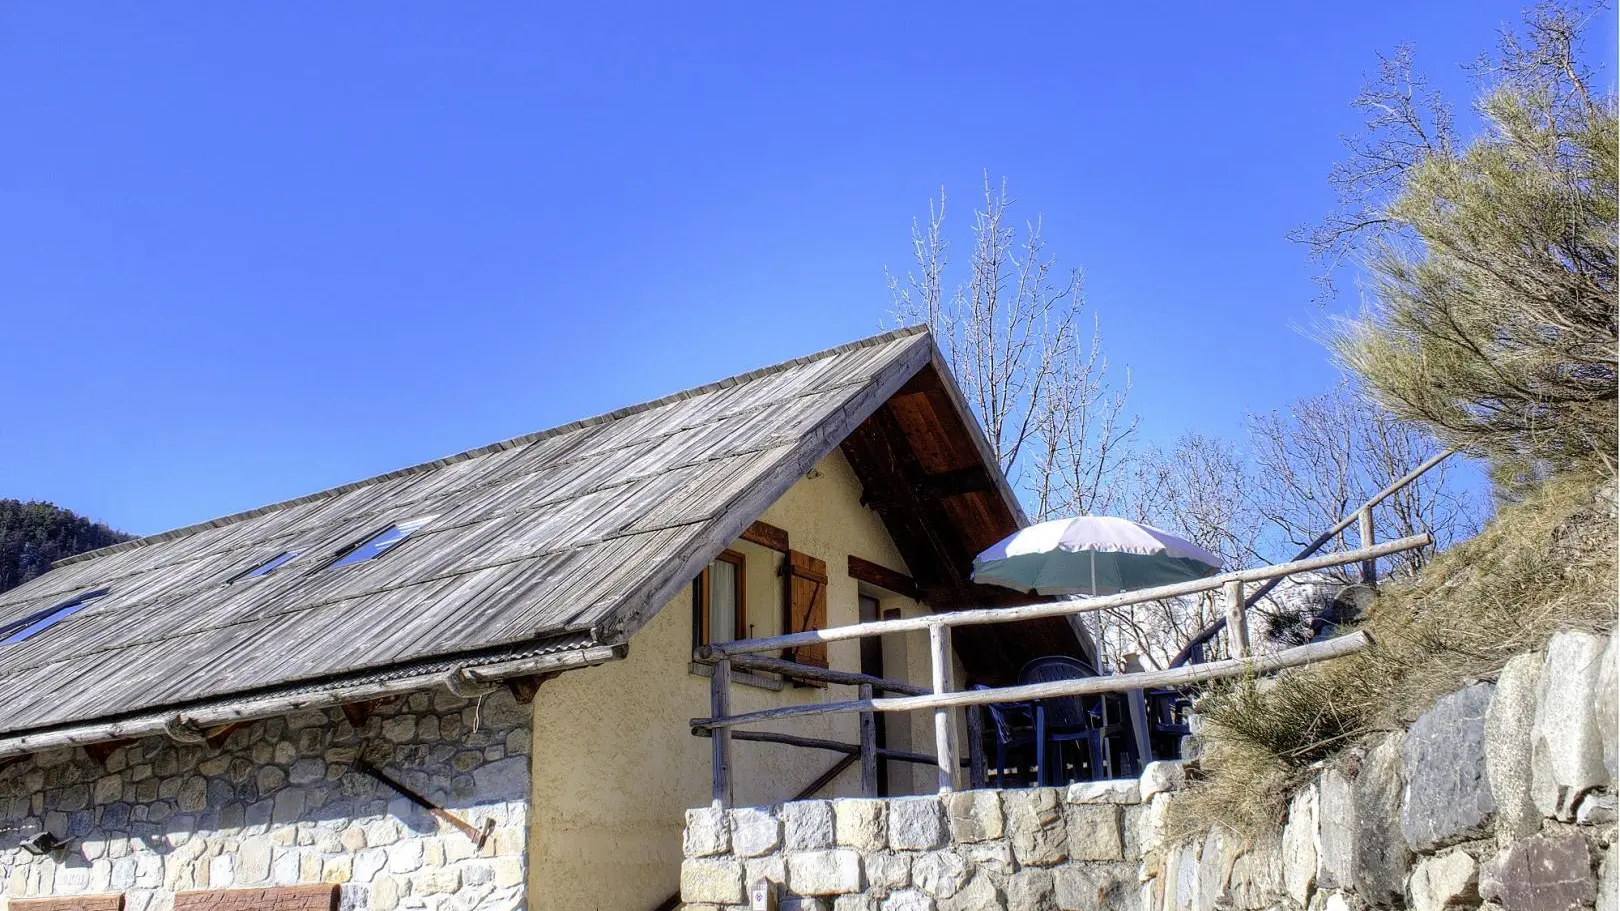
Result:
1498,329
33,535
1492,270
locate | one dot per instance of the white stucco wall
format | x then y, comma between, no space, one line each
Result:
616,766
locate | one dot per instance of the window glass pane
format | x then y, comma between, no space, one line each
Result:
380,543
722,601
269,566
30,626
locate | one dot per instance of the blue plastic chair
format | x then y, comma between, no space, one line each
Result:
1012,726
1068,719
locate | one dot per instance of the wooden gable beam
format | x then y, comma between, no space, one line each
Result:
524,688
883,577
766,535
358,712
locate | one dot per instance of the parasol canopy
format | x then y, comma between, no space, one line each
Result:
1092,555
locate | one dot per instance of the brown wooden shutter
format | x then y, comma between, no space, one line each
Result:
806,604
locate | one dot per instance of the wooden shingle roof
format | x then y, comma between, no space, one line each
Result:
569,537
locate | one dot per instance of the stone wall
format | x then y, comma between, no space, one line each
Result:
277,803
1040,848
1500,796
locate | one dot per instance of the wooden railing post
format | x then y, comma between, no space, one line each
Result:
720,707
869,758
939,640
978,772
1369,566
1237,619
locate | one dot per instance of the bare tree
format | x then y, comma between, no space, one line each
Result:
1324,456
1012,332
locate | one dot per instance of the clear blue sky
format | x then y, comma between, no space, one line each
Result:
248,251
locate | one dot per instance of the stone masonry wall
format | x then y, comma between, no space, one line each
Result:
1041,848
1501,797
278,804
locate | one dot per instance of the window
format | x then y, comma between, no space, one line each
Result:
719,602
378,544
33,624
267,567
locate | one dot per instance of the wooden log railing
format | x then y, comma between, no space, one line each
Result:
1361,517
942,697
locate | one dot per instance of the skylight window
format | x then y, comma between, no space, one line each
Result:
267,567
33,624
380,543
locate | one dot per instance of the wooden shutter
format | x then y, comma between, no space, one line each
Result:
806,604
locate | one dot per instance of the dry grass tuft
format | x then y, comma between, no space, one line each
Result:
1540,566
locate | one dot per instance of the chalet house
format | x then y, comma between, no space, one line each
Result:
466,684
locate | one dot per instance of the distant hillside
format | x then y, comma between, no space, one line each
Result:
35,534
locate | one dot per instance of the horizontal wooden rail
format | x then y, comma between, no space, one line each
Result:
797,671
1362,514
817,743
1089,686
1057,608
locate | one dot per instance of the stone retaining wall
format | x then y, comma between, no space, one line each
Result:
1035,848
278,803
1500,796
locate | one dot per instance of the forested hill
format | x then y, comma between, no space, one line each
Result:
34,534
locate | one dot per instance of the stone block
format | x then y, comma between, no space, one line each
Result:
1118,790
1095,887
1035,826
835,872
941,874
916,824
1256,877
754,832
1159,777
1336,825
808,824
1566,742
1381,857
860,824
1448,798
707,832
1299,846
908,900
1094,832
1607,709
503,779
995,856
1031,890
888,871
1448,881
1608,896
1596,809
1508,726
712,880
1540,874
974,816
771,868
980,894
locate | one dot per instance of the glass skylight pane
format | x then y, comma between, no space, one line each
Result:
380,543
33,625
269,566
